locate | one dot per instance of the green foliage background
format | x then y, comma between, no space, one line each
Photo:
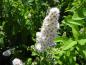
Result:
21,19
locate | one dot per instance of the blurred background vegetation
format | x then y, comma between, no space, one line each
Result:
21,19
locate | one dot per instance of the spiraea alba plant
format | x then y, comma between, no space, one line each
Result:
48,31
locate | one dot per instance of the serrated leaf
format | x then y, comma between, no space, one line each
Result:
69,45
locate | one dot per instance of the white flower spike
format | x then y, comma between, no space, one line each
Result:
48,31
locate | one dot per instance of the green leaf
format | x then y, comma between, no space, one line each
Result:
82,42
84,52
69,44
60,39
1,41
68,21
84,11
34,53
30,1
29,61
77,22
76,16
75,31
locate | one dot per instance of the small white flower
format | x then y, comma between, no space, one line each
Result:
17,61
38,47
8,52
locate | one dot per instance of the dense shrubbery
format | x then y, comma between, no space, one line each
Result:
21,19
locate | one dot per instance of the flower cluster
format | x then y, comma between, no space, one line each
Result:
48,31
7,52
17,61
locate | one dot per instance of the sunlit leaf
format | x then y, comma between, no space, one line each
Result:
69,45
84,11
75,32
76,16
82,42
60,39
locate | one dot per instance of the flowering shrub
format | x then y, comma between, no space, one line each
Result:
62,32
